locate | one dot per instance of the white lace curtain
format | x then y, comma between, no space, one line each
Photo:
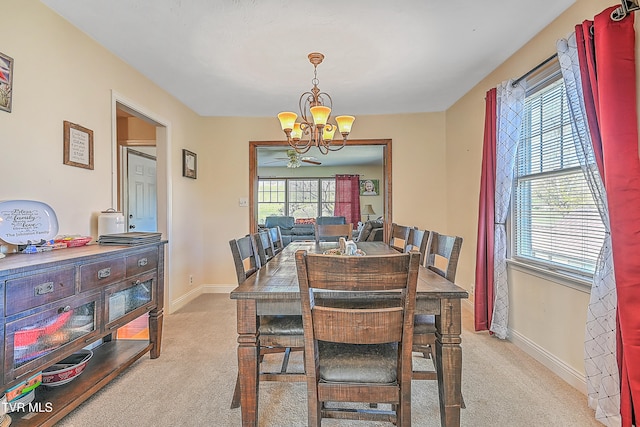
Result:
510,106
601,368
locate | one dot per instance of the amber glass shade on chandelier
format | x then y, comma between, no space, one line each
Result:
314,128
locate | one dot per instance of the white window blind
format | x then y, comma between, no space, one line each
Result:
555,221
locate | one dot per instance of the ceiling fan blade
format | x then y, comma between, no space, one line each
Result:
313,162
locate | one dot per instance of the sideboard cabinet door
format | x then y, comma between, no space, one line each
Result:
127,300
39,339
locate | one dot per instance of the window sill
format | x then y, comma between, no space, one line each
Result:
574,282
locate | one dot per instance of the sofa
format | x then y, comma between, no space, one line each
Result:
300,229
371,231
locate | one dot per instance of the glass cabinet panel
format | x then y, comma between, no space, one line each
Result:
127,300
39,335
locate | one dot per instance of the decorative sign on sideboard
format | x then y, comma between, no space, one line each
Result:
78,146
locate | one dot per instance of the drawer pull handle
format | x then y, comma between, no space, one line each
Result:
45,288
104,273
64,309
149,307
88,340
142,262
136,283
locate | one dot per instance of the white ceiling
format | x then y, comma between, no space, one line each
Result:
249,57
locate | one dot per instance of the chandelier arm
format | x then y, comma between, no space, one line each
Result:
300,148
336,148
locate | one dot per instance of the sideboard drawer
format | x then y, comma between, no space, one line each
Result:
141,262
101,273
33,291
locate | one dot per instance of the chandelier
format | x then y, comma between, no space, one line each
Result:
314,130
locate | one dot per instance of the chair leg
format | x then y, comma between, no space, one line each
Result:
235,400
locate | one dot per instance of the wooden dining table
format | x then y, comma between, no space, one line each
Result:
273,290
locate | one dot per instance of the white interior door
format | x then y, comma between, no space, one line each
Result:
141,191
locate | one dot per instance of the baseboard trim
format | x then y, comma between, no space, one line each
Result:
557,366
218,289
183,300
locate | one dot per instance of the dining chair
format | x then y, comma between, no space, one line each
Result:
364,364
441,257
276,239
264,246
419,241
399,236
333,231
277,334
245,258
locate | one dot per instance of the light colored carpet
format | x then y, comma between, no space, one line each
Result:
192,382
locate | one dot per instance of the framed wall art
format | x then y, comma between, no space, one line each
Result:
369,187
6,82
78,146
189,164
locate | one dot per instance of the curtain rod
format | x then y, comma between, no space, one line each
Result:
534,69
623,10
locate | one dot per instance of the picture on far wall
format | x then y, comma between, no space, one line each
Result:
189,164
6,79
369,187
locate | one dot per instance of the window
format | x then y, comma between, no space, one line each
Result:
300,198
555,222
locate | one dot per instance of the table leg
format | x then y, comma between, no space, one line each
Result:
449,361
248,361
155,331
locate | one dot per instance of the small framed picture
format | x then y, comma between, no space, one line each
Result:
369,187
6,82
189,164
77,146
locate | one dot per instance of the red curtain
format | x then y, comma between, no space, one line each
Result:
486,213
607,64
348,198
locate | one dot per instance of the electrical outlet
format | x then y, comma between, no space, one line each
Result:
191,279
243,202
472,288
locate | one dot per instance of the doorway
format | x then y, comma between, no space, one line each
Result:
136,128
385,185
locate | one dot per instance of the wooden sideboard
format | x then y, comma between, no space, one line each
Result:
56,303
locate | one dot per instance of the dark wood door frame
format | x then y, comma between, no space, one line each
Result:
253,177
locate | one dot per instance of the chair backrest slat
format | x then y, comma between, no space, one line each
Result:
374,272
385,325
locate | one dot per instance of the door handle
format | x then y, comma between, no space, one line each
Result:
132,226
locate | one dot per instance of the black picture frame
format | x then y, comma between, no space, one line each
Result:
189,164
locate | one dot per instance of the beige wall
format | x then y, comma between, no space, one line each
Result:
546,317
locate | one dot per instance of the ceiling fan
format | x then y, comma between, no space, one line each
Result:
295,160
